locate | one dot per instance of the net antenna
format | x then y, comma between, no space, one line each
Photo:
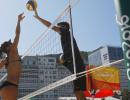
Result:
71,35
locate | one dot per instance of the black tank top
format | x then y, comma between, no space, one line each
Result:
66,47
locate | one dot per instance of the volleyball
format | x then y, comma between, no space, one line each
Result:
31,5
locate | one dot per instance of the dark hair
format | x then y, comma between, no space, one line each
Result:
5,44
66,24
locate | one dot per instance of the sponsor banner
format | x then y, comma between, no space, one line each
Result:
123,20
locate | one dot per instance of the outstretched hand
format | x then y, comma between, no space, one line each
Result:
21,17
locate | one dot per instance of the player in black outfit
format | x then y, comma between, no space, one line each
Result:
67,60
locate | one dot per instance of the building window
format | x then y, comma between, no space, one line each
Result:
105,56
51,60
34,62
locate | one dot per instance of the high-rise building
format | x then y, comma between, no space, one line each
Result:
108,54
40,71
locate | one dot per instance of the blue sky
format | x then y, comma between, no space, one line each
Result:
93,22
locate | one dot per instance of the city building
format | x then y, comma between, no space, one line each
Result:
108,54
40,71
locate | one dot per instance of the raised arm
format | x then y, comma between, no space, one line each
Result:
17,32
46,23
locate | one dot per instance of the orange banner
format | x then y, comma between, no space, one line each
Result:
106,78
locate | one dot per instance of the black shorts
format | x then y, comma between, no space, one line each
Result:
6,83
79,83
